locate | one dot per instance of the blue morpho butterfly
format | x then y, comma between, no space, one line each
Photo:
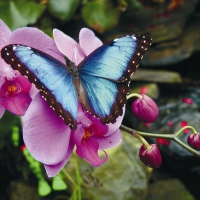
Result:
100,82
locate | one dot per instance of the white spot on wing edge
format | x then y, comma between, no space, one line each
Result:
134,37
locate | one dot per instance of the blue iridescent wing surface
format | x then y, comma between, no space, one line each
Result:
105,75
49,75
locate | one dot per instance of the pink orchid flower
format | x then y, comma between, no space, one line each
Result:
15,90
15,95
49,139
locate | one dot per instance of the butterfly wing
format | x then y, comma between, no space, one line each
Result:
105,75
49,75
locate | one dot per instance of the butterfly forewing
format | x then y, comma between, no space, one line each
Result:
118,59
49,75
107,71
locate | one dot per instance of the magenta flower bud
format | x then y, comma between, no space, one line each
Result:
194,140
150,157
145,109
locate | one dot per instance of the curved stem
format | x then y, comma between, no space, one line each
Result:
133,95
184,128
173,137
136,135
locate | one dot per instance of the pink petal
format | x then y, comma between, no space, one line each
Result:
99,128
106,142
114,127
89,151
2,80
88,41
2,109
45,134
33,91
4,34
68,46
53,170
17,104
6,71
24,83
35,38
82,118
78,134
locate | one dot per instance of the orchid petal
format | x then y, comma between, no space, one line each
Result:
2,109
53,170
99,128
113,127
68,46
17,104
24,84
45,134
81,118
88,41
4,34
33,91
106,142
35,38
6,71
78,134
89,151
2,81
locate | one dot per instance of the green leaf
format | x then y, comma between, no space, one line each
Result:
7,122
63,9
30,10
100,16
20,13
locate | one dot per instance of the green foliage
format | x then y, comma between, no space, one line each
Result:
133,5
62,9
76,182
20,13
100,15
7,122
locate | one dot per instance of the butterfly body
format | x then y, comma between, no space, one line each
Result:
100,82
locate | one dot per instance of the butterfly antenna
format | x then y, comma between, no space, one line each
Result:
58,53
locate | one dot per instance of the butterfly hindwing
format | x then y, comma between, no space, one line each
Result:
105,75
49,75
101,94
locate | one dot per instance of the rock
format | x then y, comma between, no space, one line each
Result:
157,21
20,190
123,176
187,43
168,189
157,76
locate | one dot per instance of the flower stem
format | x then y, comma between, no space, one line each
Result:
67,175
136,135
184,128
173,137
133,95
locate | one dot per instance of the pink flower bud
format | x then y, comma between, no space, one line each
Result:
145,109
194,140
152,157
